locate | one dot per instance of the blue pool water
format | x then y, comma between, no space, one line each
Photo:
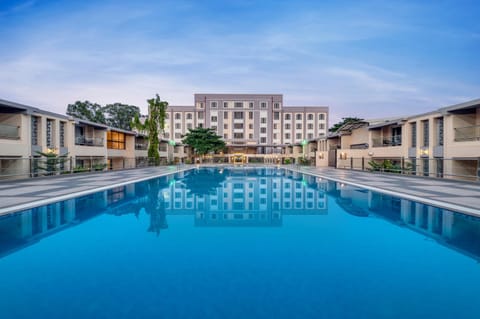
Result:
239,243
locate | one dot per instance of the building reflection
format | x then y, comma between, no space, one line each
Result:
238,198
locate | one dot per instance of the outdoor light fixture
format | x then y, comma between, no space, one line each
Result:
320,156
343,156
424,151
370,153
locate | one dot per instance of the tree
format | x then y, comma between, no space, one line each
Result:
157,110
87,111
120,115
345,120
203,140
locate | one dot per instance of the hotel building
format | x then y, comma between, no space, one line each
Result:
249,123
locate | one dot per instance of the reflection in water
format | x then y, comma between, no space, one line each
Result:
239,197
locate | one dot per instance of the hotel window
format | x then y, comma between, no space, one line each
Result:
62,134
250,115
225,126
250,136
426,137
238,104
167,135
263,120
298,126
225,136
179,135
35,126
321,126
276,115
414,134
310,126
263,105
275,126
238,125
178,126
250,105
299,117
250,126
287,136
115,140
263,140
225,115
263,130
200,125
213,118
310,117
276,105
287,126
287,117
189,116
213,127
225,104
321,116
50,124
200,115
275,136
178,116
200,105
189,125
213,104
298,136
439,124
310,136
238,115
237,135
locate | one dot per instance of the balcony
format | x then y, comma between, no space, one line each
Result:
361,146
9,132
141,146
395,140
468,133
89,141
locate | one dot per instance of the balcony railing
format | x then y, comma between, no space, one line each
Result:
468,133
141,146
9,131
395,140
89,141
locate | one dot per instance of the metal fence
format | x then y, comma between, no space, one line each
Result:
11,168
460,169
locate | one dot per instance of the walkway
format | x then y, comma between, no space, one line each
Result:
449,194
16,195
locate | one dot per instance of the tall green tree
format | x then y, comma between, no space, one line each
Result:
345,120
120,115
203,140
157,110
87,110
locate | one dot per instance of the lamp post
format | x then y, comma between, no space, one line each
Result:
171,144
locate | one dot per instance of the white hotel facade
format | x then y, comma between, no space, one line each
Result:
249,123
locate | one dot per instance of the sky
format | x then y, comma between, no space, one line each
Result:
369,59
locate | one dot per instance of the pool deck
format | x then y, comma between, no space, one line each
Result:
16,195
449,194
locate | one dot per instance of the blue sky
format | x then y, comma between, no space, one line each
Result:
362,58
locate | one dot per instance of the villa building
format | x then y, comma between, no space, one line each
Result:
442,143
26,131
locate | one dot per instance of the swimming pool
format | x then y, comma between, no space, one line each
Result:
239,243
